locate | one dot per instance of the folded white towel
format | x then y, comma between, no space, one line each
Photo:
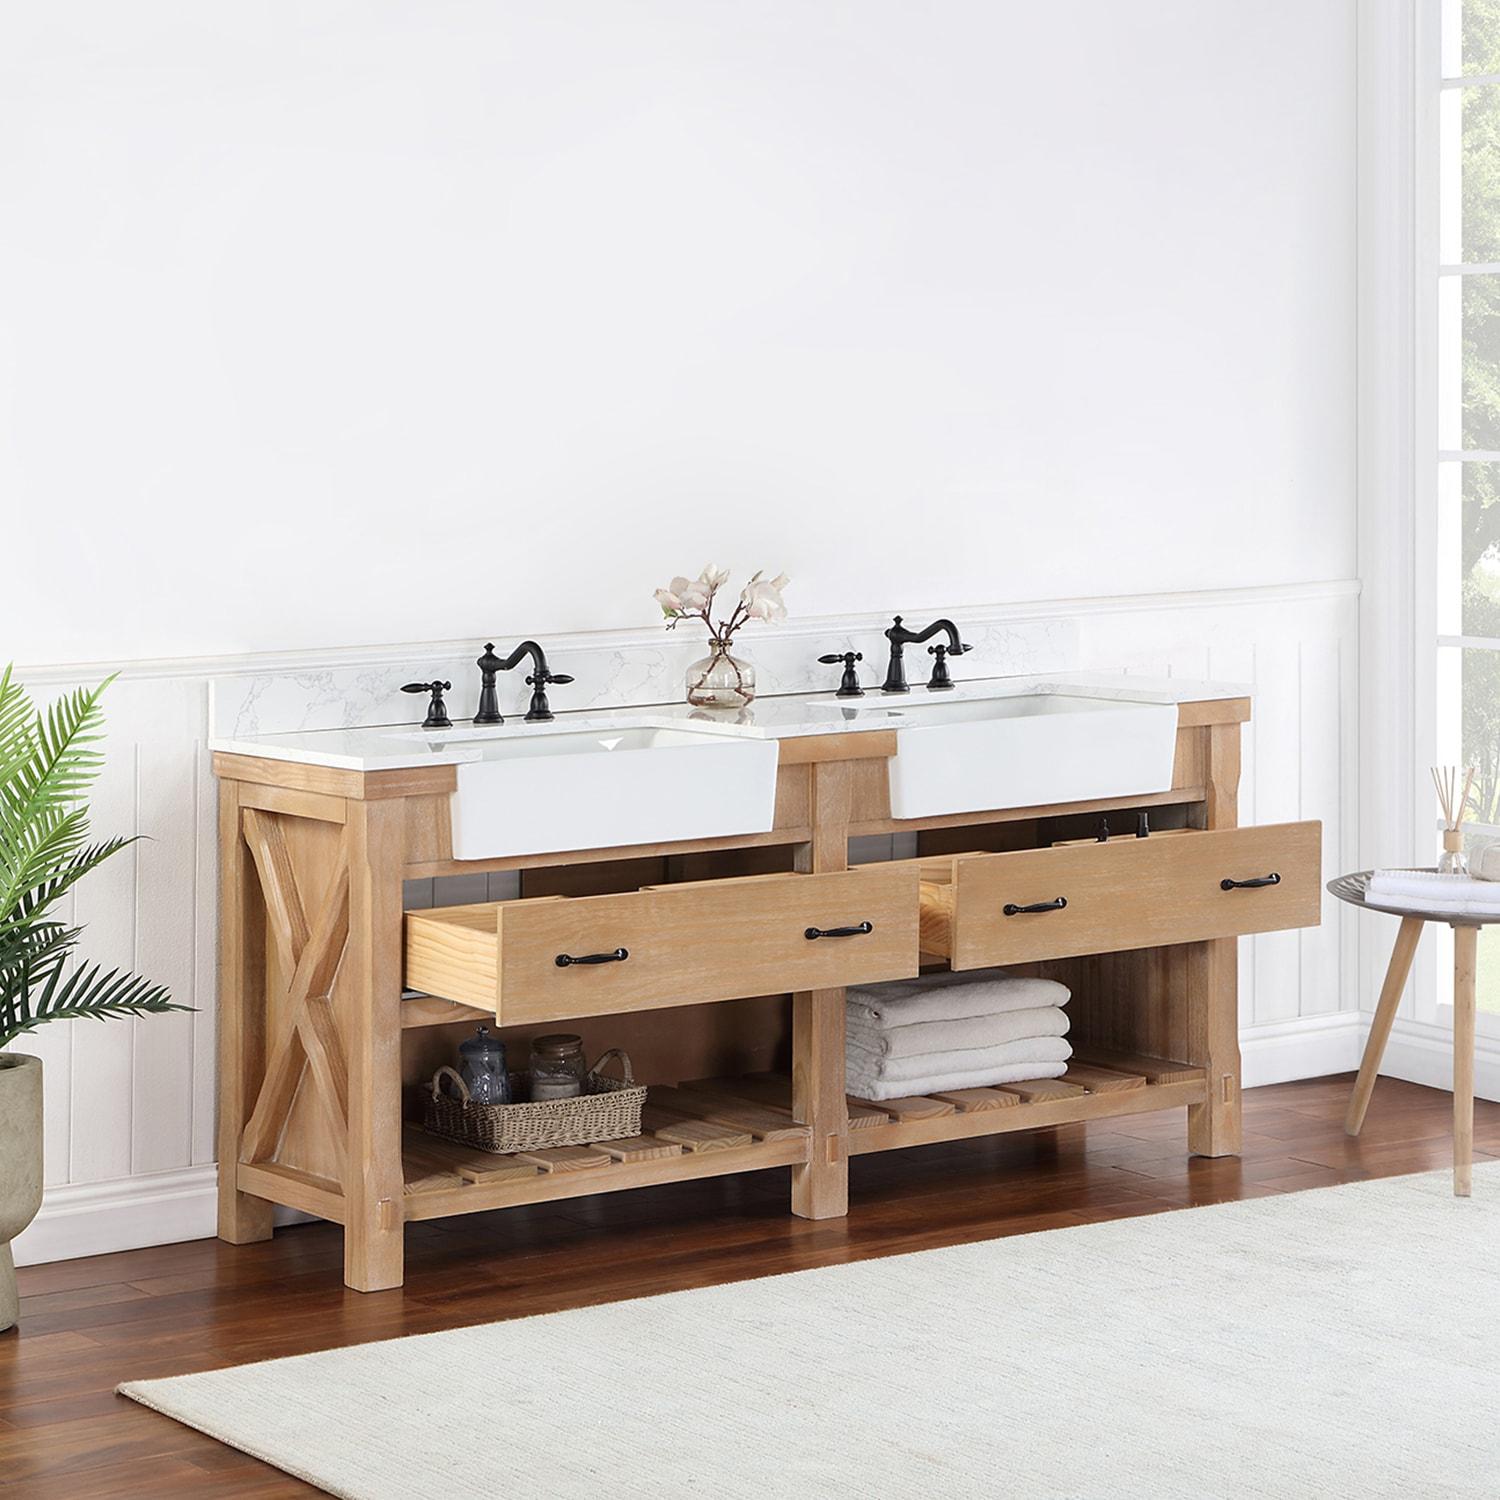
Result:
896,1089
964,1031
1429,883
871,1066
1444,895
1487,911
952,996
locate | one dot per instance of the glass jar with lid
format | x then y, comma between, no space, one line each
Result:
556,1066
482,1067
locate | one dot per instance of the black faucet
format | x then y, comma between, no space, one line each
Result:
540,711
900,638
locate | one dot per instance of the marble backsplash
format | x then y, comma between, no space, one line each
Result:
621,669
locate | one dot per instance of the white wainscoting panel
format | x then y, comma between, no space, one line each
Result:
130,1105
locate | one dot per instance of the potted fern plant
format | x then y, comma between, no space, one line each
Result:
47,762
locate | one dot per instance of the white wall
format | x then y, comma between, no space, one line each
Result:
341,323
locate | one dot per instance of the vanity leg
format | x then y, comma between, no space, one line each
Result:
1214,1127
820,1189
371,994
1213,1025
241,1019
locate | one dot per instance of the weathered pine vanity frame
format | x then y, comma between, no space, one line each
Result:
320,1054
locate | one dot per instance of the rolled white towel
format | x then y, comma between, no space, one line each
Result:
941,1083
951,996
868,1065
1484,859
962,1031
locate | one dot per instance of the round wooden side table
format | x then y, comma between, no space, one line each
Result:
1354,889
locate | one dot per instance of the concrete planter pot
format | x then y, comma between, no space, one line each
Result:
20,1164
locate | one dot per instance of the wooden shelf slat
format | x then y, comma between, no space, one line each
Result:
693,1135
765,1122
1098,1080
1045,1089
915,1107
566,1158
641,1148
776,1089
967,1101
1152,1069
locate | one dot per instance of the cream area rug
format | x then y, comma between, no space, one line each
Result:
1337,1342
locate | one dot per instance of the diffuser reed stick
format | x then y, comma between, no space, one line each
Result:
1454,804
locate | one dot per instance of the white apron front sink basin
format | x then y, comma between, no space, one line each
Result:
594,789
1031,750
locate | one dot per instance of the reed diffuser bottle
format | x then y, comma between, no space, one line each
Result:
1454,804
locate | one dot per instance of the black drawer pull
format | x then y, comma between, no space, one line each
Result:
1249,885
1012,910
858,930
564,960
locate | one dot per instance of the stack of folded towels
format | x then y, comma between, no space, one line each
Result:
954,1031
1443,895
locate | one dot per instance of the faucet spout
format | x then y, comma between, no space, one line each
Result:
900,638
541,675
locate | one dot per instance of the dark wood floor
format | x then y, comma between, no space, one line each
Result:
88,1324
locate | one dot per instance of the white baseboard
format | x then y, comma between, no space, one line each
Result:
1421,1053
95,1218
131,1213
1307,1047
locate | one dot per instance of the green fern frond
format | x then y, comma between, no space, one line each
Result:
48,761
88,992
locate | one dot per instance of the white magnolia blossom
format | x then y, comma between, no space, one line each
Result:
762,599
686,598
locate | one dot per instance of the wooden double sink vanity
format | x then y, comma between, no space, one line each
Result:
336,1003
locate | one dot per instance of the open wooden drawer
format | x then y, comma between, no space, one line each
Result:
558,956
983,909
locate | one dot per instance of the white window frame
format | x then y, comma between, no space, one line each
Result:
1438,86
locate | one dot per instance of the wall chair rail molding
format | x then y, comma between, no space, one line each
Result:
130,1110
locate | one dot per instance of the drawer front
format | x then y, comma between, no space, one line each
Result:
555,957
712,940
1134,893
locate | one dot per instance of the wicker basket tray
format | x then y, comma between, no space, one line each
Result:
609,1109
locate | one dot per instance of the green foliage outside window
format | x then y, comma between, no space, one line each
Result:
1481,404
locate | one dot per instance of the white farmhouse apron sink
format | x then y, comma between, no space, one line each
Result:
606,788
1030,750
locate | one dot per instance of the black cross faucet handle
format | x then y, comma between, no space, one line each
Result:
437,710
849,684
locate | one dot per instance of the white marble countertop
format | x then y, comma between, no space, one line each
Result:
382,747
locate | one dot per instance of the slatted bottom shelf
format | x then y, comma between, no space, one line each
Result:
712,1126
1096,1086
684,1135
